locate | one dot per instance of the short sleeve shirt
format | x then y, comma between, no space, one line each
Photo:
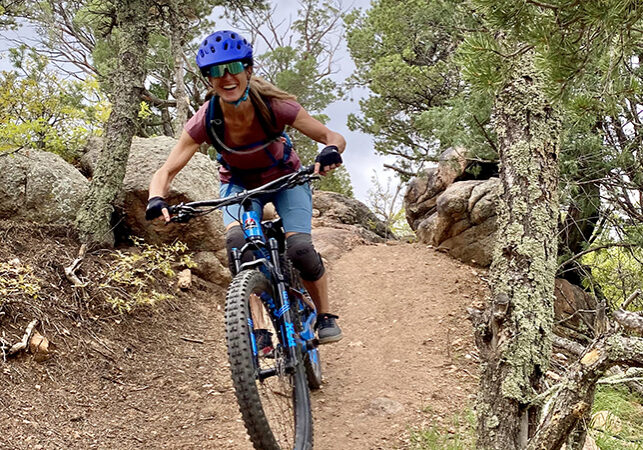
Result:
251,161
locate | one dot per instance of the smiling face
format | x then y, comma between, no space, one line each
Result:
231,87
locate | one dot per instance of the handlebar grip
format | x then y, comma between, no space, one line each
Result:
308,169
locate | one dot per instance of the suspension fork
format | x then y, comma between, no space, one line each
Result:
286,311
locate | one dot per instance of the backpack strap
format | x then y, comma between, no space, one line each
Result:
215,128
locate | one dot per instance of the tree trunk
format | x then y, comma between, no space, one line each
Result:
515,340
166,122
180,93
94,218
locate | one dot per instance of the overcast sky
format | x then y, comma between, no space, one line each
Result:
359,158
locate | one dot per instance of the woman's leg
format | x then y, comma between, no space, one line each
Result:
294,206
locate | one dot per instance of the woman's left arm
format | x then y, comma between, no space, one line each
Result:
316,130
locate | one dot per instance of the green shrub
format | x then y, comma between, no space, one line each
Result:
129,282
17,280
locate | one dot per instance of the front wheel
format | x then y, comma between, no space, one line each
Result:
272,393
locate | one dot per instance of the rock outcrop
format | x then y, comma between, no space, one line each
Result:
341,223
41,187
452,213
198,180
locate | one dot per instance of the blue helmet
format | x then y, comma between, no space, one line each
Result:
222,47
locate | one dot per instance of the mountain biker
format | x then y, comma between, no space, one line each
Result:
244,121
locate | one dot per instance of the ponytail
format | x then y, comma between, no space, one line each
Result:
261,89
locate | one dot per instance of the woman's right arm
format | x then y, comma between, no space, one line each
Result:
184,149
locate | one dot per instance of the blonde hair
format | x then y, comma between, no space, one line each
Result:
261,89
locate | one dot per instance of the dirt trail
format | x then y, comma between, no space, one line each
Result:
161,380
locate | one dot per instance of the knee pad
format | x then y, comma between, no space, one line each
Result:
304,257
235,238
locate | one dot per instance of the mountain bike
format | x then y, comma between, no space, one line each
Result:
266,299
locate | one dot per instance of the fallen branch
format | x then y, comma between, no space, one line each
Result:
196,341
22,345
629,320
70,272
575,397
566,344
616,374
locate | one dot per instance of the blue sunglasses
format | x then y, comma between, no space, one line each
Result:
233,68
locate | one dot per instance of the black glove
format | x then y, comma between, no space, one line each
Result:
154,207
328,156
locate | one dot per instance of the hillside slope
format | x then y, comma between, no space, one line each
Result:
158,378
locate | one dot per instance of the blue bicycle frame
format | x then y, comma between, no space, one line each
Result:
267,260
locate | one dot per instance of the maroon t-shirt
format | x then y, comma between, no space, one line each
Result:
285,112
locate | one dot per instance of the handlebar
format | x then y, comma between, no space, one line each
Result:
185,211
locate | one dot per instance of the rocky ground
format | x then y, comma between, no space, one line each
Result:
158,377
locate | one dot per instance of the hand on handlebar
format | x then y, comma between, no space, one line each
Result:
328,159
157,207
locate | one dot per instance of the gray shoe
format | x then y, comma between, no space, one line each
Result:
327,329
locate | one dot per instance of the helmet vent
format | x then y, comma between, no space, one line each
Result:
218,39
225,46
233,36
212,49
238,46
245,42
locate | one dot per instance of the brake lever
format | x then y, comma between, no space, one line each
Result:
181,213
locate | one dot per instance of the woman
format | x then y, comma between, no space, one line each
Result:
244,121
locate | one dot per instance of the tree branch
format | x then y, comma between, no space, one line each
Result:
400,170
576,394
593,249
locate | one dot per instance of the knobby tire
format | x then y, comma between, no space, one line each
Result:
276,412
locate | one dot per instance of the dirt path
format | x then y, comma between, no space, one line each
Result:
161,379
402,362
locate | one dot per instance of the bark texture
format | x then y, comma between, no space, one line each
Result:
94,218
177,36
515,333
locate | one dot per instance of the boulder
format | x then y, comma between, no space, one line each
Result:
209,268
198,180
452,213
474,245
422,192
574,308
333,242
40,187
333,208
342,223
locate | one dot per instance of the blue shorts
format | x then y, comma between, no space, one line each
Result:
294,206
